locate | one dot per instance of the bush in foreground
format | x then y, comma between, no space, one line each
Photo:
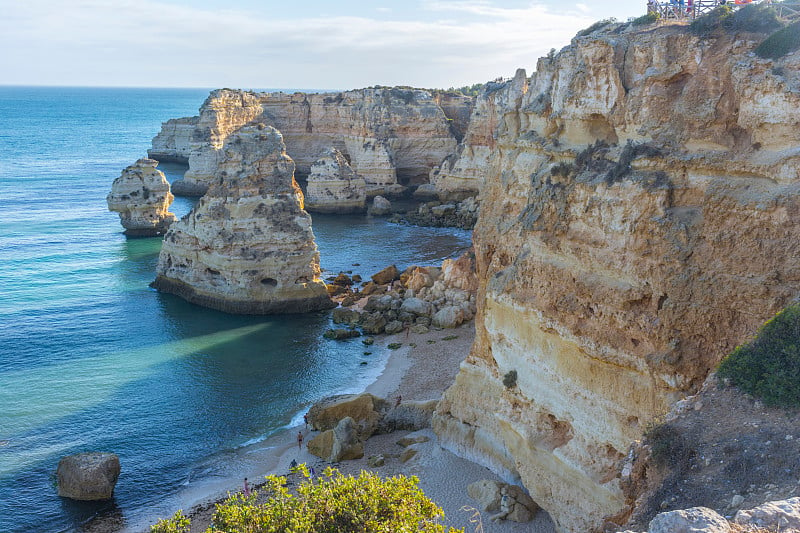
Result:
768,367
334,503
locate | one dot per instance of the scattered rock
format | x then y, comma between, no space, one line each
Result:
693,520
346,442
341,334
782,515
395,326
408,454
487,493
380,206
410,440
515,505
345,316
88,476
409,415
375,461
387,275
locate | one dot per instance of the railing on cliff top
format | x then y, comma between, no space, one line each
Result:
691,9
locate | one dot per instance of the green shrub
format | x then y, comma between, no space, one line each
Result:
596,26
510,379
333,503
780,43
649,18
704,26
756,18
667,445
394,345
177,524
768,367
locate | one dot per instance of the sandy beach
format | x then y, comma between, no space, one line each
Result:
421,369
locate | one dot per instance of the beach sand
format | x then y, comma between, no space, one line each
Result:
421,369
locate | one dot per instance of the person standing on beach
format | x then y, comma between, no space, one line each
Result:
299,440
246,489
305,419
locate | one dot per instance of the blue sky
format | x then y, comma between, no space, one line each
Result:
263,44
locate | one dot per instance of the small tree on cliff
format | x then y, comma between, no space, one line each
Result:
334,503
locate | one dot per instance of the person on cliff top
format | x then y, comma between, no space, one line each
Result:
299,440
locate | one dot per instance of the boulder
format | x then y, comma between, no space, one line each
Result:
365,409
345,316
346,442
387,275
419,278
408,454
373,323
417,307
487,493
693,520
781,515
322,444
515,505
378,302
341,334
88,476
395,326
448,317
380,206
426,191
419,329
410,440
409,415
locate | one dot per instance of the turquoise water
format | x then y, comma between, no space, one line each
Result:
93,359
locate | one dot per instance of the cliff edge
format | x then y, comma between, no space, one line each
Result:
639,219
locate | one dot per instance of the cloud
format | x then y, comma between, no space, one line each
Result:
155,43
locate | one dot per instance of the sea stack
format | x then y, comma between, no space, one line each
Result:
141,196
247,247
334,187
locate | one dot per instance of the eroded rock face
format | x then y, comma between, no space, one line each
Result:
173,142
614,277
247,246
389,135
142,198
88,476
333,186
462,173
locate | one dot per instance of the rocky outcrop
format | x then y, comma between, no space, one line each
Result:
365,409
462,173
640,218
247,246
88,476
389,135
173,142
333,186
142,198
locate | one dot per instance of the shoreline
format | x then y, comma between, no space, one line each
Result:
421,369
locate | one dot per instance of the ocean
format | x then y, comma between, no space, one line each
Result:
92,359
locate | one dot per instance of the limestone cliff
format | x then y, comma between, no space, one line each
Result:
640,217
173,142
142,198
247,246
462,173
389,135
333,186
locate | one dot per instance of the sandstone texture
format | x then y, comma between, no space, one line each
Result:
462,173
365,410
247,246
333,186
389,135
174,141
142,197
639,219
88,476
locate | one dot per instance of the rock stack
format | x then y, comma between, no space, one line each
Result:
142,197
247,247
334,187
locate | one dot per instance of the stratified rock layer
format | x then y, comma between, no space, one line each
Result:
142,198
614,276
389,135
247,246
333,186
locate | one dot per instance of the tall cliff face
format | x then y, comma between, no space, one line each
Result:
247,246
640,217
389,135
333,186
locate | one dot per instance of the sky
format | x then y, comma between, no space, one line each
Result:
309,44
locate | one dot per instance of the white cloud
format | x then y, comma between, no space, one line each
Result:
149,42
